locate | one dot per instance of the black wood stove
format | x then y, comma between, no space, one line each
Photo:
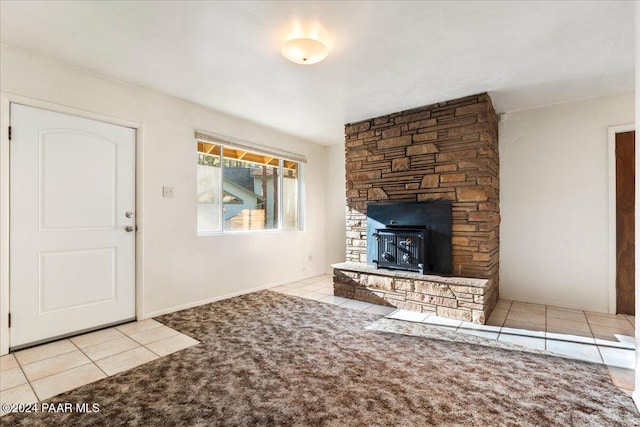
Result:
411,236
402,247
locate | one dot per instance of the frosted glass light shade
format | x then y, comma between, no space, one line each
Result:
304,51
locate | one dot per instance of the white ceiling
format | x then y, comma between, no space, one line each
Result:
384,56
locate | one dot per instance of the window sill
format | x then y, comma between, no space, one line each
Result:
245,232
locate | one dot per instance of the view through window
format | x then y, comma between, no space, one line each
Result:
240,190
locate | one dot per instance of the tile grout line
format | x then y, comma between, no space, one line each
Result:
596,344
138,345
90,359
26,378
629,320
601,357
138,321
50,357
145,345
546,325
159,356
504,321
43,344
166,338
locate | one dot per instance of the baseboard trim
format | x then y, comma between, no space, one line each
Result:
217,298
554,303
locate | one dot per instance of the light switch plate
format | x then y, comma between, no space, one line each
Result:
167,191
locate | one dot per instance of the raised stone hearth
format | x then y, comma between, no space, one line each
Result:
461,298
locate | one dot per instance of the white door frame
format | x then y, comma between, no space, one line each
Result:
612,131
6,99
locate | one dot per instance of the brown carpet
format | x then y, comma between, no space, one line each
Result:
270,359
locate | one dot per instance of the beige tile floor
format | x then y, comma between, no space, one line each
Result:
594,337
44,371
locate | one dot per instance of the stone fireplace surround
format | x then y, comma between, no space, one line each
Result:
444,151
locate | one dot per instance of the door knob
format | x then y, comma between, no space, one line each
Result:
128,229
128,214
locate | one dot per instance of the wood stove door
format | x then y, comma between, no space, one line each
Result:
410,253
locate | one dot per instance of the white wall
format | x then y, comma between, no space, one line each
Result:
554,238
335,203
178,268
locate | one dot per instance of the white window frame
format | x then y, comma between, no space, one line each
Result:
300,161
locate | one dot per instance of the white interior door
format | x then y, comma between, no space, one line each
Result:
72,224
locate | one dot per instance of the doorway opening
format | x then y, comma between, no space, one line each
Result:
622,220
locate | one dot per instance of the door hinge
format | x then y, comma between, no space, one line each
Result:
9,133
9,319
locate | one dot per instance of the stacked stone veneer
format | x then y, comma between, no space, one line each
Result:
444,151
455,297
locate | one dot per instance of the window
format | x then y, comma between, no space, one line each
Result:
241,190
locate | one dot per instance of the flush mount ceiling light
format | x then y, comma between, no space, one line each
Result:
304,51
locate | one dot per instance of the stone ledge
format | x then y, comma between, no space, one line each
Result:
462,298
371,269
